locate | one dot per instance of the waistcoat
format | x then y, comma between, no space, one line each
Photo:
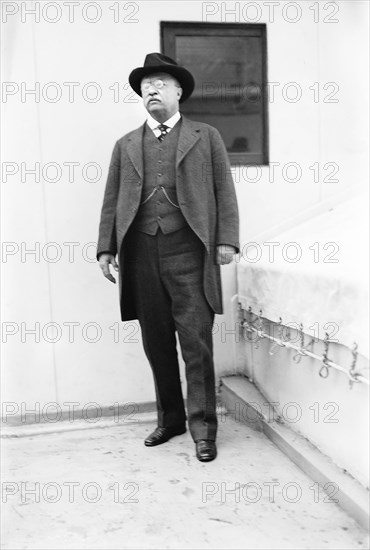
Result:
159,205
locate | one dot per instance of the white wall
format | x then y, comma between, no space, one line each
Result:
64,212
327,411
307,132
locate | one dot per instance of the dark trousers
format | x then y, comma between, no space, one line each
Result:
165,274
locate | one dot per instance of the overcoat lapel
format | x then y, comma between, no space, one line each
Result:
189,135
135,149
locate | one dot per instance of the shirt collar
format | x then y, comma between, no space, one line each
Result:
152,123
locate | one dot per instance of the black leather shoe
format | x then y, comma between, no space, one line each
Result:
161,435
206,450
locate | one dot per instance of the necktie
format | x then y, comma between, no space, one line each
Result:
163,128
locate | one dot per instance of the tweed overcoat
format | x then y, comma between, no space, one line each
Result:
205,194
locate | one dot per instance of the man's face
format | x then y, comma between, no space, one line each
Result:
161,93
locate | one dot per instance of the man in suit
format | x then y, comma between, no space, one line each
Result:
170,215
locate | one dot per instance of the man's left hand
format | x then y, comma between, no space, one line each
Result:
224,254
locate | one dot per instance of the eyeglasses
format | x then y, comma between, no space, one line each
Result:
158,83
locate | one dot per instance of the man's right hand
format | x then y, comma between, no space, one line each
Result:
105,260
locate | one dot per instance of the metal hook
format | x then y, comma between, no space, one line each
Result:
280,344
352,371
247,326
244,325
298,356
287,337
303,349
259,329
324,371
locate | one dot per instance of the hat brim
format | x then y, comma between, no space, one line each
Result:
181,74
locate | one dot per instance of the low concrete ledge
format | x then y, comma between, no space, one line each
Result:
32,430
52,413
238,394
105,419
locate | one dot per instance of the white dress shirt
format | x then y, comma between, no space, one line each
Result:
153,124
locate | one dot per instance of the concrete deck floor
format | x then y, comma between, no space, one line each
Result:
161,497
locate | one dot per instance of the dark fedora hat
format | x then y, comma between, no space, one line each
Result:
159,63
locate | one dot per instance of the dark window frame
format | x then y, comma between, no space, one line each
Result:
168,32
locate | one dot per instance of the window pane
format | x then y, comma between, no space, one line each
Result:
229,71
